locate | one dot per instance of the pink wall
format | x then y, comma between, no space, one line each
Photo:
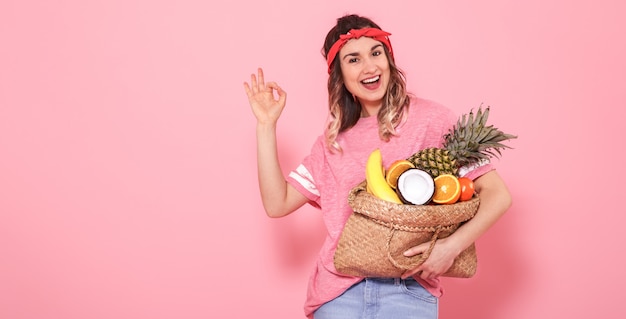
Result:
127,152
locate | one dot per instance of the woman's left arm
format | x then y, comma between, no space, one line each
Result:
495,199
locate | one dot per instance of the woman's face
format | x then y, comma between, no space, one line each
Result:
365,71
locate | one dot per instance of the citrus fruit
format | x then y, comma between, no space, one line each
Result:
467,188
395,170
447,189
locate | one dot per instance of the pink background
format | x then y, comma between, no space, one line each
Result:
127,152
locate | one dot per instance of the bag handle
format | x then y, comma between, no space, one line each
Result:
423,256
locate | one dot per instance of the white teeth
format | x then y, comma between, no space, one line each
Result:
372,80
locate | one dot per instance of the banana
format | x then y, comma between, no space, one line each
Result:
375,179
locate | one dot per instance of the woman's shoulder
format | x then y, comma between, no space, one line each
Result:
427,108
422,102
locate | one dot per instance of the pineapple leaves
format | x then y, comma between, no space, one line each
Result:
469,141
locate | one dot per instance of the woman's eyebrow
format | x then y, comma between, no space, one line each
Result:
357,54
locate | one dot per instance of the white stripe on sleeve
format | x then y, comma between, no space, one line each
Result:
468,168
304,178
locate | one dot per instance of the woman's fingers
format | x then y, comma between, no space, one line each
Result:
261,80
425,274
257,82
425,270
282,95
419,249
253,83
262,94
409,273
246,87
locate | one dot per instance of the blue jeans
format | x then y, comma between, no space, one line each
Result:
382,298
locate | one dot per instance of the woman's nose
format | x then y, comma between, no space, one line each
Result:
369,65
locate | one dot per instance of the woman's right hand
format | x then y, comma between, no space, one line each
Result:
265,106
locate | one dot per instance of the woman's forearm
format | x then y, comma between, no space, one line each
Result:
279,199
495,200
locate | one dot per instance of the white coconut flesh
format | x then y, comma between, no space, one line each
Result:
416,186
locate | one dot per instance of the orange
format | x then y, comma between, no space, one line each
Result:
447,189
467,188
395,169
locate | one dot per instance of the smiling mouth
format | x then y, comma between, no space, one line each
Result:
371,80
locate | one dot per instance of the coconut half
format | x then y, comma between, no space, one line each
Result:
415,186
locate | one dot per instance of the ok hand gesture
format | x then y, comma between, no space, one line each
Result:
265,106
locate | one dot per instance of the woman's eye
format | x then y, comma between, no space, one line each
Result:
376,53
353,60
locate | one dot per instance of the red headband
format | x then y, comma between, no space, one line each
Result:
376,34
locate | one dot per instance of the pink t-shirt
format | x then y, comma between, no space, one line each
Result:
326,178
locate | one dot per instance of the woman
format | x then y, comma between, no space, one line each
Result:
369,108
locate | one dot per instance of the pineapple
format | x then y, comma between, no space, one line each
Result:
468,142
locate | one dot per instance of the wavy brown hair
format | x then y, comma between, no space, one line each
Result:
344,109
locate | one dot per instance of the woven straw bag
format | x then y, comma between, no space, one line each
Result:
378,232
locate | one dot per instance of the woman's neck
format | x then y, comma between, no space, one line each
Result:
370,110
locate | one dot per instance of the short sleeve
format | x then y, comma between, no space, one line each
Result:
476,170
305,177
